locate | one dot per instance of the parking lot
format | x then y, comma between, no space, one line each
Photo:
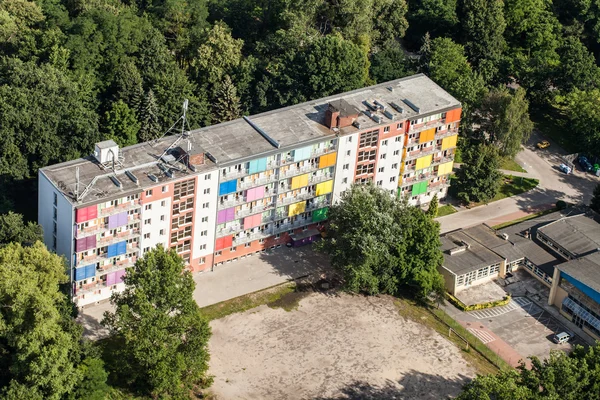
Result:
524,324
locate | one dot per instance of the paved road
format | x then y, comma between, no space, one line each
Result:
554,185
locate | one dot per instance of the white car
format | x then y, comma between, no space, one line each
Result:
565,168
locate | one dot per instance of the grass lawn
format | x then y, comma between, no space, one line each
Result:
446,210
433,318
525,218
511,165
273,297
511,186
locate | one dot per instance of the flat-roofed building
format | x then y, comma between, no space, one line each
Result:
225,192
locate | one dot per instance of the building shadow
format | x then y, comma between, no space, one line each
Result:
413,385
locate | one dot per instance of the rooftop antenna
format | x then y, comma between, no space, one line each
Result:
184,132
77,182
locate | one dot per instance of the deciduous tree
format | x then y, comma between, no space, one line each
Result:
567,377
38,342
121,125
14,230
582,109
227,103
382,245
504,120
162,335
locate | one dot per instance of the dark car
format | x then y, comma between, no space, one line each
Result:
584,163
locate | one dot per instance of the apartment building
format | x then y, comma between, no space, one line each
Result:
224,192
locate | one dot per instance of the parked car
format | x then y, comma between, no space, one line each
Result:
584,163
565,168
561,338
543,144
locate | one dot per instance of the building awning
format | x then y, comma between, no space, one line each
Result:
305,234
582,313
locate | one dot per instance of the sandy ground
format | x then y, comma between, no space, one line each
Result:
332,347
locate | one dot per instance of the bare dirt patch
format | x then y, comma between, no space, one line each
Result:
333,346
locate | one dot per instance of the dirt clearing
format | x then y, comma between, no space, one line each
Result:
332,347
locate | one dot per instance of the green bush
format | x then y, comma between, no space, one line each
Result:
561,205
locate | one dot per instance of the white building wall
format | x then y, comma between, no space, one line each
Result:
155,223
345,164
65,218
389,177
205,219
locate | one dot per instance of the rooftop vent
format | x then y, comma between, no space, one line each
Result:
467,245
131,176
389,115
106,151
116,181
457,250
380,105
504,236
153,177
412,105
397,107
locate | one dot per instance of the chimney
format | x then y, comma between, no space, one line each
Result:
332,117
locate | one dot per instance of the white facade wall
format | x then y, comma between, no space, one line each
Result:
155,223
65,218
393,158
205,219
345,164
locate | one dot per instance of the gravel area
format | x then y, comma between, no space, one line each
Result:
333,347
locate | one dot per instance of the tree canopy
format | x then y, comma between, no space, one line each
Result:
478,178
560,376
161,337
382,245
39,341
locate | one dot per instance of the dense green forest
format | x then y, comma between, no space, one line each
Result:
74,72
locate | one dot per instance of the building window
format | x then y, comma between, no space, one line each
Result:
393,179
207,177
369,139
54,242
204,219
146,235
365,169
148,207
379,183
147,221
346,166
233,249
218,253
185,188
204,233
148,192
203,247
398,138
380,169
383,156
207,191
205,205
248,245
349,152
162,217
386,130
162,232
349,139
163,203
396,152
399,125
345,180
165,189
367,155
55,199
395,166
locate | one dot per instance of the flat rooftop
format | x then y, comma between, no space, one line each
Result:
243,139
471,259
578,234
585,269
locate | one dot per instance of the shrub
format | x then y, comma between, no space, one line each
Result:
561,205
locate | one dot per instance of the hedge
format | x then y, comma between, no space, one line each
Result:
463,307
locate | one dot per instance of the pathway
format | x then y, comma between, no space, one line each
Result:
554,185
